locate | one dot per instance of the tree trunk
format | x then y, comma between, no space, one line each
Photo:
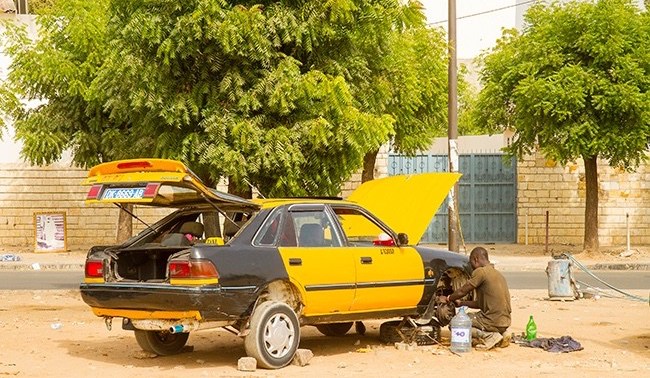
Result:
591,205
124,224
239,189
369,166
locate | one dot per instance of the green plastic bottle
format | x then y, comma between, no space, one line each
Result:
531,329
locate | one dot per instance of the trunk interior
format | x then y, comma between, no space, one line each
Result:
141,264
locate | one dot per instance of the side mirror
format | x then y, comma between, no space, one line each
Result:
402,239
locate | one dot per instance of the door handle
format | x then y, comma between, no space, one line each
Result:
295,261
366,260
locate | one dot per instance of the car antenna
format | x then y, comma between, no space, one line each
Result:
253,187
133,215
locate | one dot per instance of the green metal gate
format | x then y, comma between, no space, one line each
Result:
487,196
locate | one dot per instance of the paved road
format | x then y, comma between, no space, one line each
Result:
40,280
53,280
625,280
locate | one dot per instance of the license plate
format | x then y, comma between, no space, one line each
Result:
123,193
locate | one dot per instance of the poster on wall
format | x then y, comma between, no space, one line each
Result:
50,231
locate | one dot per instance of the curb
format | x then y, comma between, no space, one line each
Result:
619,266
21,267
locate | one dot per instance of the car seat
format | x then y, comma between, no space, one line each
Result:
178,239
193,228
311,235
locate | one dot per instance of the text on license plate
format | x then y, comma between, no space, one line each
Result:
123,193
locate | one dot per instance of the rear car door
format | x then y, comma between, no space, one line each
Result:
316,261
387,276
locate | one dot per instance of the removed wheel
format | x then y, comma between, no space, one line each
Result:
162,343
388,333
395,332
334,329
274,335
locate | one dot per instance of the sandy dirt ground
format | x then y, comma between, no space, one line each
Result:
54,334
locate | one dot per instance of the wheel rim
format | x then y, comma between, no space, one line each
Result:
279,335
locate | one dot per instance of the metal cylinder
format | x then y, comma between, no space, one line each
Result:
559,280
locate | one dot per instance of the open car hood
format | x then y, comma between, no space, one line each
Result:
406,203
155,182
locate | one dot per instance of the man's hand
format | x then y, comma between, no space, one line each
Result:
443,299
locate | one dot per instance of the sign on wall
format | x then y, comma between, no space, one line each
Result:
50,232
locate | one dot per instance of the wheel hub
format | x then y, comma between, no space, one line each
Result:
278,335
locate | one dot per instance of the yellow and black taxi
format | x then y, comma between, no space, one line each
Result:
264,267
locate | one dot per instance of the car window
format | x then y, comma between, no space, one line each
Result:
308,229
269,230
360,229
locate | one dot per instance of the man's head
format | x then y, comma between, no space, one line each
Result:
479,257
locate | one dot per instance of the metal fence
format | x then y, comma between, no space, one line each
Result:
487,196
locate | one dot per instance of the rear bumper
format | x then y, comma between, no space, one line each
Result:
207,303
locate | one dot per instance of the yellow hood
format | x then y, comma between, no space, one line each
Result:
406,203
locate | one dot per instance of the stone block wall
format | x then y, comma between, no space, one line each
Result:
26,189
543,185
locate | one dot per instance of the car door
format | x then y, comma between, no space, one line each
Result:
387,276
315,259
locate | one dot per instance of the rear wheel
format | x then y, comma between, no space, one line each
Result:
334,329
274,335
162,343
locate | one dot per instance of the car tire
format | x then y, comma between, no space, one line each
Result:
274,335
161,343
334,329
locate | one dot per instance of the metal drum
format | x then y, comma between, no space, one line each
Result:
560,286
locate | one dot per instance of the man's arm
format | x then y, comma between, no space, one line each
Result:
459,293
470,304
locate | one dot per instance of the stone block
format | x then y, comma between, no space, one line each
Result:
302,357
247,364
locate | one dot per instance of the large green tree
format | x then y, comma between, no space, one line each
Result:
575,84
287,95
275,93
409,82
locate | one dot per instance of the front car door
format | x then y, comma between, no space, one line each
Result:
388,276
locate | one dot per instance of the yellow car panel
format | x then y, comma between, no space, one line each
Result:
388,277
325,275
406,203
141,314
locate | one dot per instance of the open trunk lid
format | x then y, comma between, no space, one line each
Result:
155,182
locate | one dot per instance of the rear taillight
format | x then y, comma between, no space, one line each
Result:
93,193
192,269
94,269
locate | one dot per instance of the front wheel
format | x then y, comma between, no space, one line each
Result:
161,343
274,335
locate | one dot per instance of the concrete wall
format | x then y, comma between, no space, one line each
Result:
545,186
542,186
25,190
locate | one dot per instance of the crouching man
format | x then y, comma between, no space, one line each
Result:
491,322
